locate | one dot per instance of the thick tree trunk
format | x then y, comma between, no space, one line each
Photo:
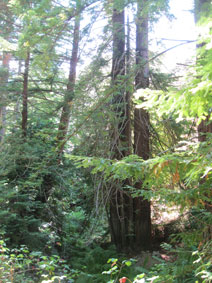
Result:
66,110
120,136
142,208
118,72
130,220
25,96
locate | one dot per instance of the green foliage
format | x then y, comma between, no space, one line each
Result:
21,265
186,263
156,8
118,268
28,208
194,100
174,178
48,204
190,265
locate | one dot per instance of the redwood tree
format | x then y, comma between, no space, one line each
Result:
130,220
117,205
141,127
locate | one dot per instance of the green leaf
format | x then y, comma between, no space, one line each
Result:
128,263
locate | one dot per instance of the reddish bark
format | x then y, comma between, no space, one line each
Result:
142,207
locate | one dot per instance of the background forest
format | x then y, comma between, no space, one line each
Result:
106,159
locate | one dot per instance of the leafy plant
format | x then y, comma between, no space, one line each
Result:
117,269
21,265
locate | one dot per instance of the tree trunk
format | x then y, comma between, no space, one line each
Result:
4,79
16,111
204,127
120,143
128,130
202,9
118,72
66,110
130,220
142,209
2,121
25,96
48,179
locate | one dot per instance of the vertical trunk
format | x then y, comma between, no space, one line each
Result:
5,64
130,220
128,95
66,110
16,111
128,199
118,72
25,96
204,127
142,211
48,180
120,136
202,9
2,121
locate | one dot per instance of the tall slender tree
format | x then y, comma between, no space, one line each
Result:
3,80
66,109
5,32
25,94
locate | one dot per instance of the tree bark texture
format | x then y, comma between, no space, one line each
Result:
119,145
66,110
118,73
129,217
142,207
